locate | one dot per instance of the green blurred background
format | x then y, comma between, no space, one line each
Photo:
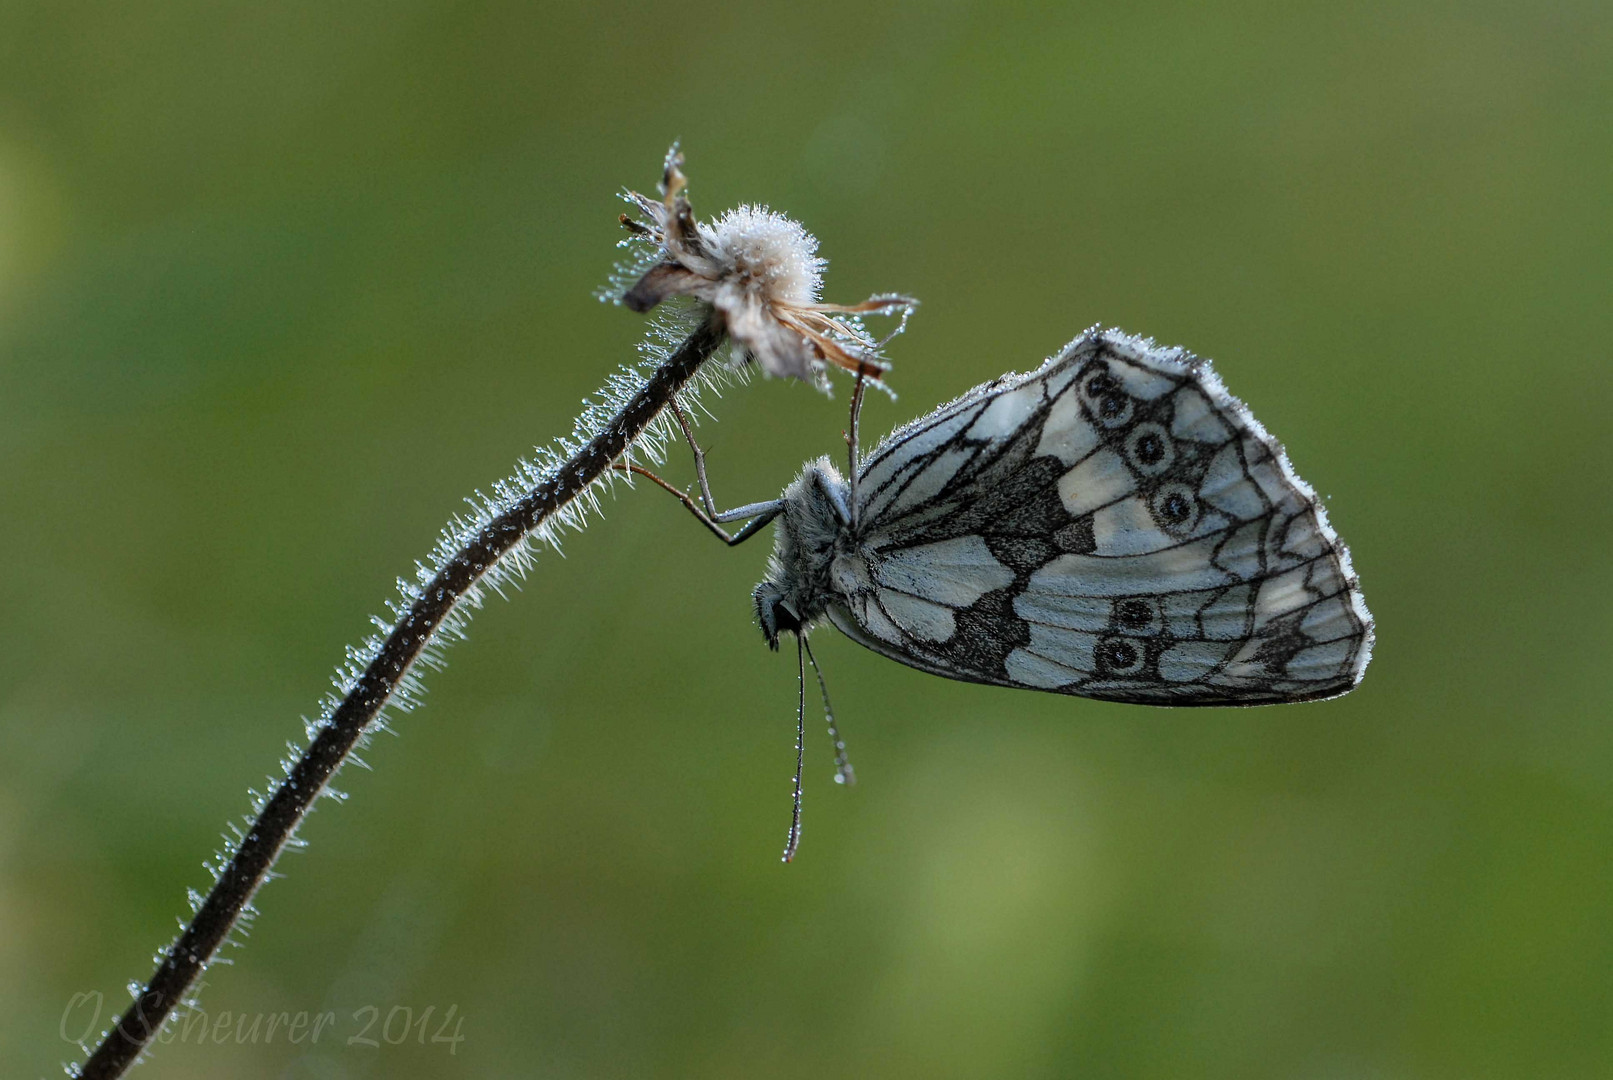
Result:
281,283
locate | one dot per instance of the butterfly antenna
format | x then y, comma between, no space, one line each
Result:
844,773
851,442
793,841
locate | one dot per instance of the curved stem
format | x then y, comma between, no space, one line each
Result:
275,824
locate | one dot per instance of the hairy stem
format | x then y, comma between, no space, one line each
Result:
275,824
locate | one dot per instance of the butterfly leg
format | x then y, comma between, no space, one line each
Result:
852,451
699,457
760,514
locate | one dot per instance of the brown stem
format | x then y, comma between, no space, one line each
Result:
275,824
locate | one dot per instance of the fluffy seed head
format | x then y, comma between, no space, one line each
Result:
766,253
761,273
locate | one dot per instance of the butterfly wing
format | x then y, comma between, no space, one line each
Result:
1114,524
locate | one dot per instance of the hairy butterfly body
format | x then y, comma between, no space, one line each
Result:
1114,524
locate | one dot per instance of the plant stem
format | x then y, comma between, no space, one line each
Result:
247,869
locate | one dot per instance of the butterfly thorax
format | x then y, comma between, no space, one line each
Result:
813,553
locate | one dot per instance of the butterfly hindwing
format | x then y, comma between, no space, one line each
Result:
1114,525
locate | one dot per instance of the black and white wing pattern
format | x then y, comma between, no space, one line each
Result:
1114,524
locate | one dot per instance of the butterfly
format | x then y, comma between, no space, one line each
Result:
1114,525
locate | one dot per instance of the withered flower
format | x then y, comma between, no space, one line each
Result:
761,272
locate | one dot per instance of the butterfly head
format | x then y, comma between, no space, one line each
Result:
812,527
773,612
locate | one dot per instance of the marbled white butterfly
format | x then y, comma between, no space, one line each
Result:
1114,524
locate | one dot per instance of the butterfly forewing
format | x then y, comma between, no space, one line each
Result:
1115,525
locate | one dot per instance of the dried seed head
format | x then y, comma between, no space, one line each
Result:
762,274
767,251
